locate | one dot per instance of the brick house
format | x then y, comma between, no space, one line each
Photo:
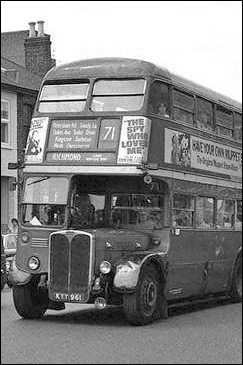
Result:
26,57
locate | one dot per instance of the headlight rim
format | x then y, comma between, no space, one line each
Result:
105,267
37,263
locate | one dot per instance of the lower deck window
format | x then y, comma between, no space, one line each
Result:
225,213
204,212
141,211
183,210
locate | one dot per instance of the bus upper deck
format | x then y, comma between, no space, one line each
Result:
110,112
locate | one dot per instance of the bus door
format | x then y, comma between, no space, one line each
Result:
188,253
224,244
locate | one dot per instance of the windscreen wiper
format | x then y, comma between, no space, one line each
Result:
36,181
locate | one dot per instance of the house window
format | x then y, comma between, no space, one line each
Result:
5,122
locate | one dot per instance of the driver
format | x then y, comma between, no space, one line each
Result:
82,215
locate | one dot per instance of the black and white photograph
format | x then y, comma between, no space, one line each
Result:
121,182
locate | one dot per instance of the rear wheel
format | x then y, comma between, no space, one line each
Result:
143,306
29,301
236,291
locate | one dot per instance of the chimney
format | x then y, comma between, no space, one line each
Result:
38,50
32,30
40,24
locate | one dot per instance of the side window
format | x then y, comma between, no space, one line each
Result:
183,105
5,122
204,212
142,211
159,99
224,121
225,213
238,218
238,127
183,210
204,114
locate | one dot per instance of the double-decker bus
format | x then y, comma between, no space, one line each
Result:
131,192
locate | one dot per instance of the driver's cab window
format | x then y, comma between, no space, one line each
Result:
159,99
140,211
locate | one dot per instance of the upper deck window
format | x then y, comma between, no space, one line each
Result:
118,95
238,127
204,114
159,99
183,106
224,121
63,98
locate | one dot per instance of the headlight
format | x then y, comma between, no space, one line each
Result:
25,238
105,267
33,263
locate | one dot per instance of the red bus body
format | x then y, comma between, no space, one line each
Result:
166,192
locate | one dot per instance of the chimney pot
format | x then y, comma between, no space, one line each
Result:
32,30
40,28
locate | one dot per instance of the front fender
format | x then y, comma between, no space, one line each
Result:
17,276
127,272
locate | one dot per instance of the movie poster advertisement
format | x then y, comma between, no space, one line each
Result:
36,140
134,140
186,150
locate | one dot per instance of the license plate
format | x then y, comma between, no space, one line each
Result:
70,297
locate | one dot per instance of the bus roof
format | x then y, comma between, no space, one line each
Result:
126,67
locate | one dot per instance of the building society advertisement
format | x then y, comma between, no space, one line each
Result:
190,151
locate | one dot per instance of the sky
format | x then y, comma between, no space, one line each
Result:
199,40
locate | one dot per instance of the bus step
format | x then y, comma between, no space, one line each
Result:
195,301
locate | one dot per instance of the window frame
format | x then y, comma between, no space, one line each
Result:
225,214
168,101
192,210
198,210
94,96
81,101
221,126
184,109
7,122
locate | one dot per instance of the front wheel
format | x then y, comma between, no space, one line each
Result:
143,306
236,291
29,302
3,281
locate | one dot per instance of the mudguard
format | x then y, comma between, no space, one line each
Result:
127,271
17,276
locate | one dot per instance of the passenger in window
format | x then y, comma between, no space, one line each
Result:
162,110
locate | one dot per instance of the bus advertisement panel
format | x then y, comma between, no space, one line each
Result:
191,151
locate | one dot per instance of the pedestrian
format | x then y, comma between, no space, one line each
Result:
15,226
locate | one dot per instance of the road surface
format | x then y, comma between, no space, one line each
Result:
208,334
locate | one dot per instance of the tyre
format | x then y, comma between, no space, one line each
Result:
143,306
28,301
3,281
236,291
9,283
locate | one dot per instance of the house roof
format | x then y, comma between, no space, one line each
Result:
16,75
12,46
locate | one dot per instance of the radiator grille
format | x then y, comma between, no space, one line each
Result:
70,260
